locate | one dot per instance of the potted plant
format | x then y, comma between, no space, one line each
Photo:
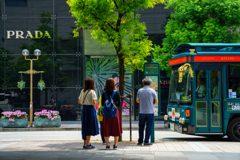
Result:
21,84
14,119
41,85
46,118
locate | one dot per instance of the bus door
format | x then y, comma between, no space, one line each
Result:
208,101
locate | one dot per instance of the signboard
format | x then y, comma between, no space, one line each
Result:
151,68
152,71
233,106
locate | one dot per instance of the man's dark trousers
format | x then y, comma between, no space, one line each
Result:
148,119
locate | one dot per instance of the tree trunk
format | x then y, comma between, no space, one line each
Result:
121,85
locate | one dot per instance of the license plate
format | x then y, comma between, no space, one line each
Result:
172,127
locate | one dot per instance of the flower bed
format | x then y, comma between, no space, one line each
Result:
46,118
14,119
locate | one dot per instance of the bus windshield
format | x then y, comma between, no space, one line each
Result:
180,92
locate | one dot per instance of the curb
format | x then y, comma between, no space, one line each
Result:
59,129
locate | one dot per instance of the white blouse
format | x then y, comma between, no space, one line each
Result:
89,98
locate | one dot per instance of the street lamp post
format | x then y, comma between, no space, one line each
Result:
25,53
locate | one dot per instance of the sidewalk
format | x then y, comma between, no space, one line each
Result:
76,125
73,150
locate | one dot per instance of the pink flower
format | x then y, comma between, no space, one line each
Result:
11,120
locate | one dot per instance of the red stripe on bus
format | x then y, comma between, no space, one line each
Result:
216,58
178,60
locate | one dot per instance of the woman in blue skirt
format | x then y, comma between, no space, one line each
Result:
88,99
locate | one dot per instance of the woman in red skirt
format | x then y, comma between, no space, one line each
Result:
111,126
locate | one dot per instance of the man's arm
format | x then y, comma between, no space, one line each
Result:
156,100
138,100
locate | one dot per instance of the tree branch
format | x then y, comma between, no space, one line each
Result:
104,21
116,4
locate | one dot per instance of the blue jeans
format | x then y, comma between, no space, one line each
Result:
148,120
103,139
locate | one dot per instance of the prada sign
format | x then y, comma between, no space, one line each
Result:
28,34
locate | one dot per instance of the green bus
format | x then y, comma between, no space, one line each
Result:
204,92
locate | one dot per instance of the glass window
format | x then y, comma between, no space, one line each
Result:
180,92
201,114
215,84
16,2
234,81
201,84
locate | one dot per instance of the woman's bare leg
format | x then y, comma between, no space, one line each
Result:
107,141
87,140
116,140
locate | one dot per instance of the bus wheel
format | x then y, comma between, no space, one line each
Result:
234,130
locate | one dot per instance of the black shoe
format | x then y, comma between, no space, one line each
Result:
90,147
147,144
107,147
84,146
115,147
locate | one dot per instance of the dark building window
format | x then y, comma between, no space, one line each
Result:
11,3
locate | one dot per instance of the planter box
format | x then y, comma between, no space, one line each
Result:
20,123
45,122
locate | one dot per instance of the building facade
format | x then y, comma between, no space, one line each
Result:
47,25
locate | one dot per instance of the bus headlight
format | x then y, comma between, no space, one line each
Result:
180,120
183,120
165,117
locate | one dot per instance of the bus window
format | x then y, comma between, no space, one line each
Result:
201,84
180,92
234,81
215,84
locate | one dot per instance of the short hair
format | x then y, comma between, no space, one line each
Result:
88,84
109,86
147,81
202,80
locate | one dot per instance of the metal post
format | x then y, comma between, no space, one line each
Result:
153,132
31,92
31,72
130,114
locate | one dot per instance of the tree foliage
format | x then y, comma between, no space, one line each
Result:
114,22
199,21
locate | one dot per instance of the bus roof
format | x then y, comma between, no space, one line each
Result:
206,52
208,47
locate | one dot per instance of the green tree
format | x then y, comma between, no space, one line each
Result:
198,21
113,22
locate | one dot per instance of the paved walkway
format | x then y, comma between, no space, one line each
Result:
161,150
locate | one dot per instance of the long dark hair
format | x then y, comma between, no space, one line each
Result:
109,86
88,84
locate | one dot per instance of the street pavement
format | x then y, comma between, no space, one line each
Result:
38,145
